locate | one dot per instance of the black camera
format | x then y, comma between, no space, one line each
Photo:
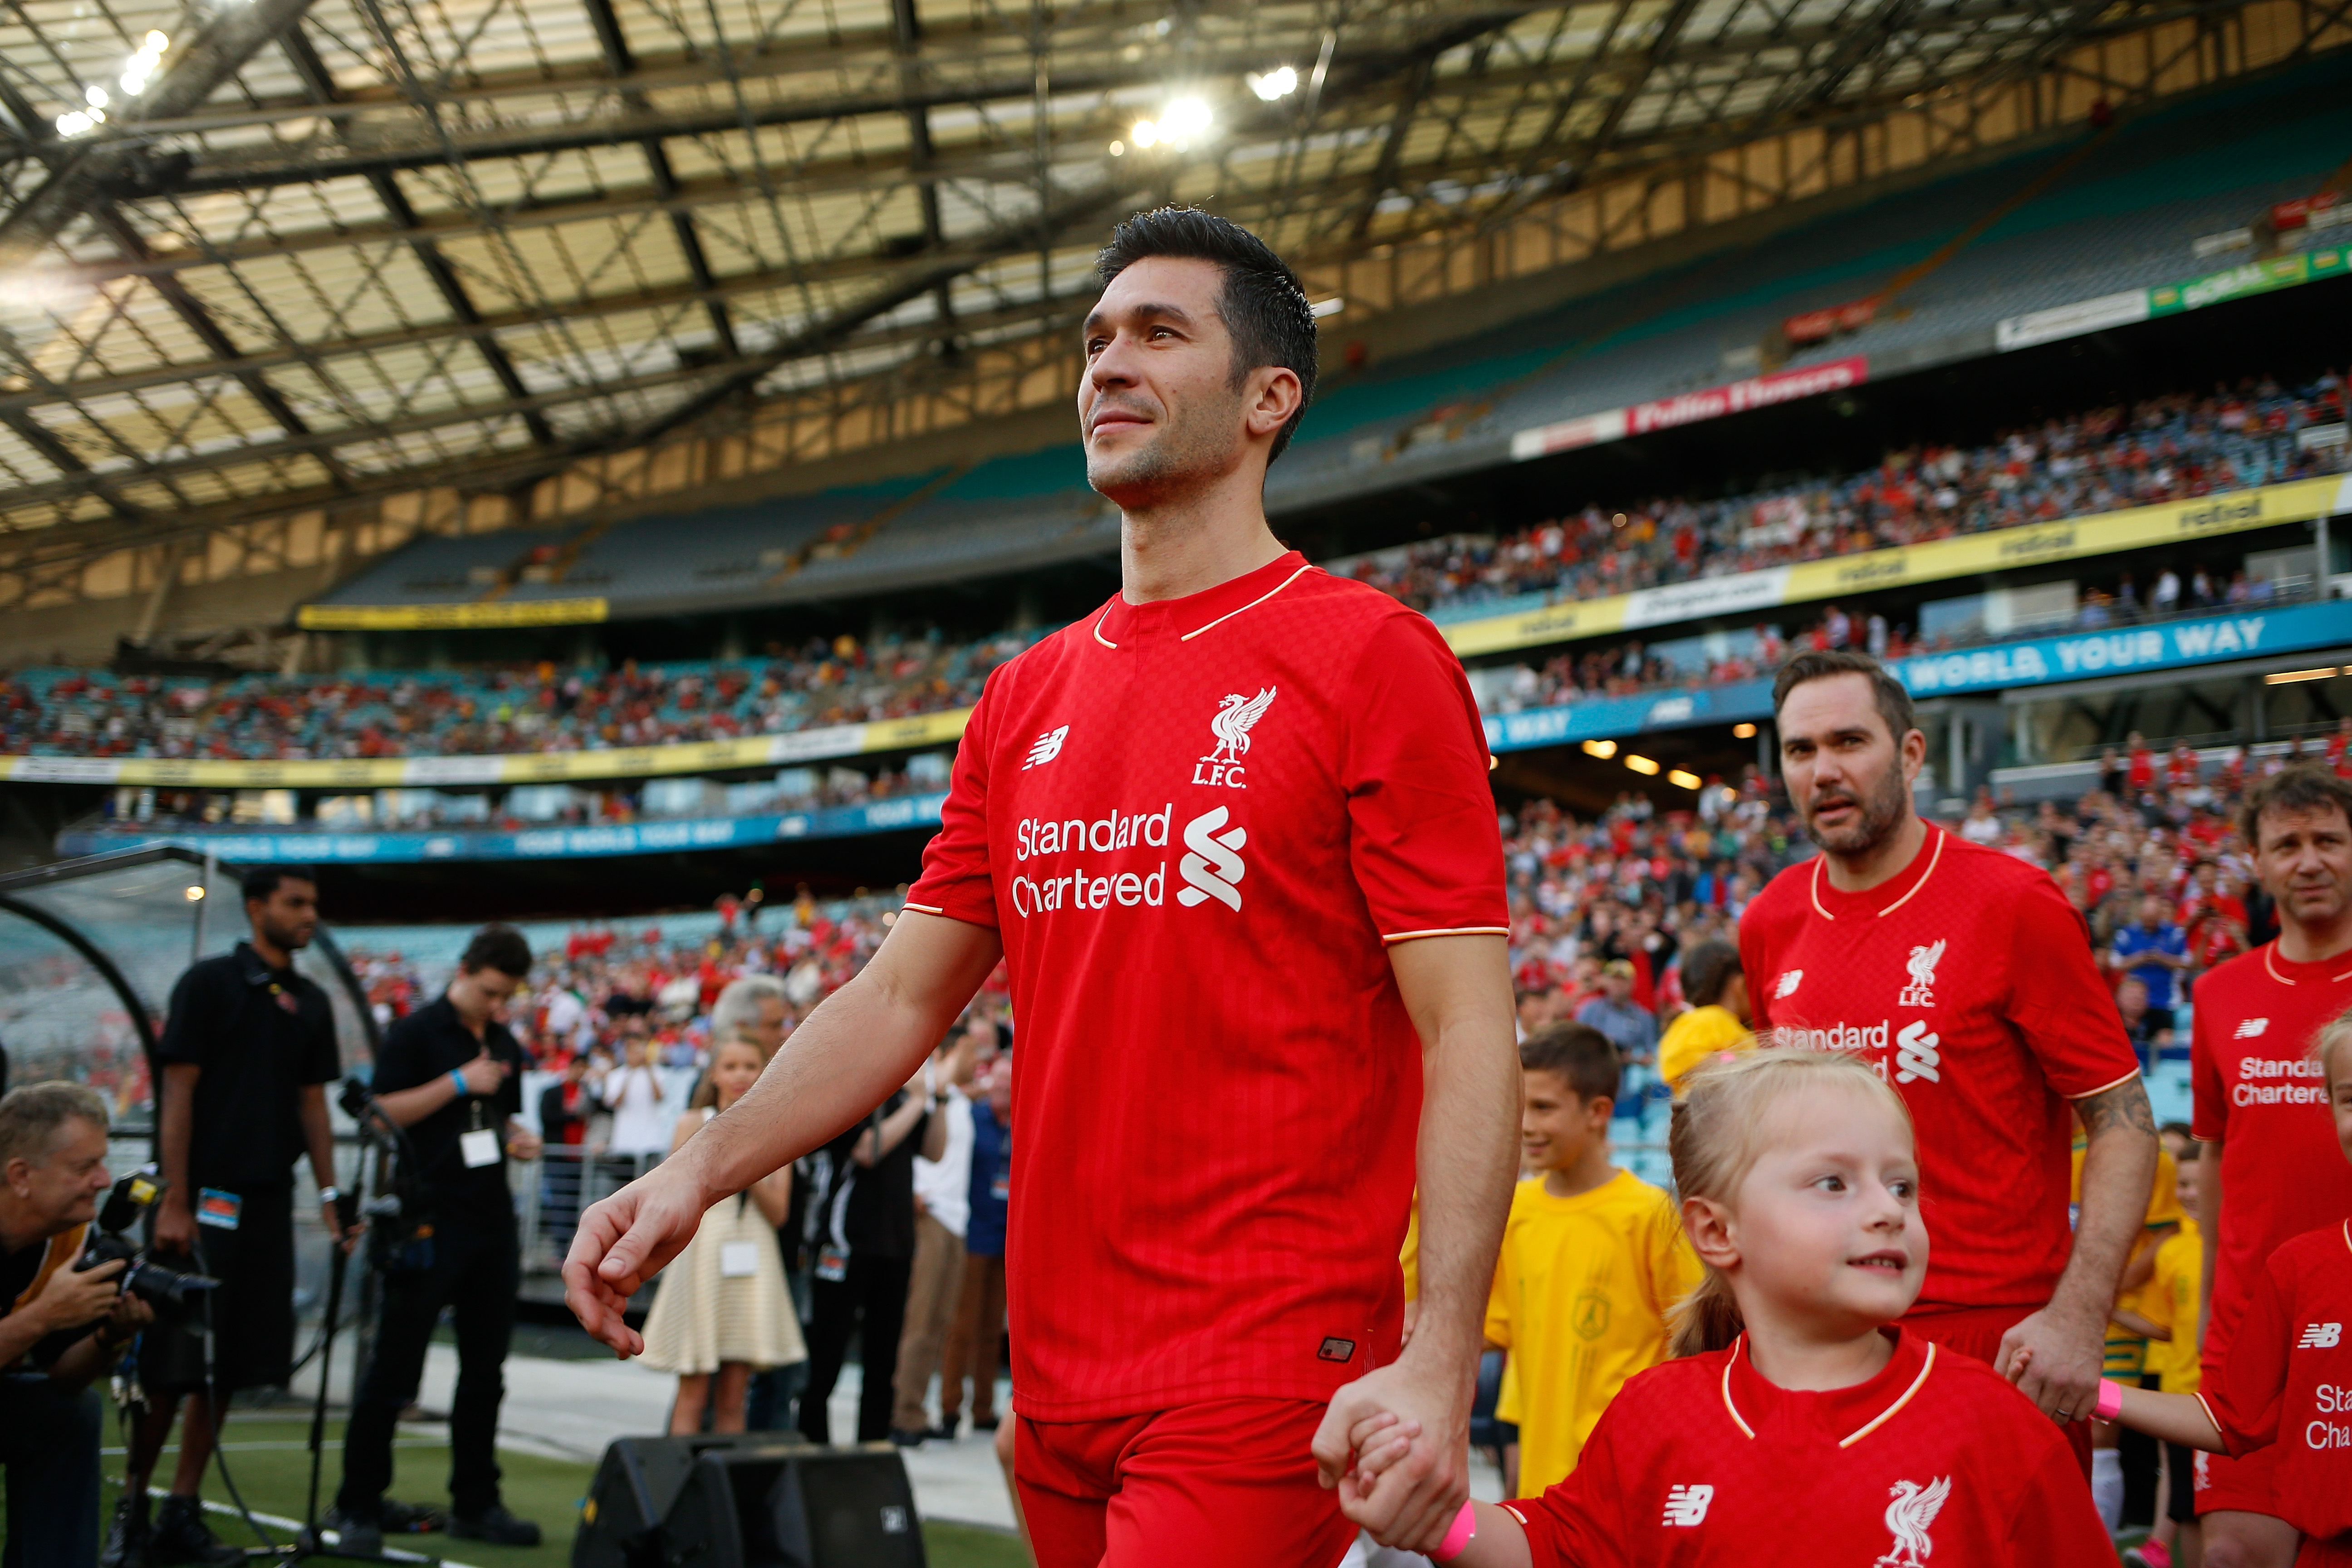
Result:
166,1289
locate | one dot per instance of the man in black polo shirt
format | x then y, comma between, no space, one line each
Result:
248,1048
452,1074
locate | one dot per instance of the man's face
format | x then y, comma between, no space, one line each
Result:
2305,858
1848,777
769,1027
2151,913
480,994
288,917
1618,988
1159,412
62,1189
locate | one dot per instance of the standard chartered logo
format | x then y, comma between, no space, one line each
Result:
1212,868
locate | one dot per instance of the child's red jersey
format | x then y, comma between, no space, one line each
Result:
1967,980
2288,1378
1198,825
1701,1461
2258,1090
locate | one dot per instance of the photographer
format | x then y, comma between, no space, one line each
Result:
247,1047
70,1321
452,1074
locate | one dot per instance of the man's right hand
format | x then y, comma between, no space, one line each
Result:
484,1074
175,1225
624,1241
76,1297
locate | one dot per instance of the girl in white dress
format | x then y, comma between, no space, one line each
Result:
723,1312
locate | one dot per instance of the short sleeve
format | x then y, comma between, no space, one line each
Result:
2057,1000
2247,1392
1581,1522
955,880
2208,1113
2055,1522
1423,839
190,1028
400,1064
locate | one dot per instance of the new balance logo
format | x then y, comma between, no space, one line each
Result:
1790,981
1213,869
1687,1505
2251,1027
1047,747
1914,1054
2320,1337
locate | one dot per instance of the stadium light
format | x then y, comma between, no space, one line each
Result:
1145,133
142,66
1604,750
196,892
1280,82
1744,732
1643,765
1682,779
1331,307
2288,677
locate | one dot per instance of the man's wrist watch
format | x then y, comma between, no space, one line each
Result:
329,1194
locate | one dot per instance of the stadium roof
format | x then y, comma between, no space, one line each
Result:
257,255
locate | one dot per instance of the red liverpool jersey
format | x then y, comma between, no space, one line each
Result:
1701,1461
1197,823
2288,1378
2260,1093
1967,980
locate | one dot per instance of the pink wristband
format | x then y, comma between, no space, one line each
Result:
1465,1526
2111,1400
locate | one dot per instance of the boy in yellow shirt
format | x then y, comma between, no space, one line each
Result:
2165,1312
1717,988
1593,1258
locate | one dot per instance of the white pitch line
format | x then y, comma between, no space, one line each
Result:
393,1552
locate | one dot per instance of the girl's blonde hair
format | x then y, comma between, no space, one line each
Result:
2334,1036
1716,1138
706,1093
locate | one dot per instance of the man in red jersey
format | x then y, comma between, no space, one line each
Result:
1964,975
2274,1171
1234,827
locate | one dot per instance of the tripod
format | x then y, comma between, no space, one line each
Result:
388,1139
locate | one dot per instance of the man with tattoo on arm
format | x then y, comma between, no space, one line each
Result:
1967,979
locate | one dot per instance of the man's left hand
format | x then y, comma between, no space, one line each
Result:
2056,1361
524,1144
126,1318
348,1234
1413,1502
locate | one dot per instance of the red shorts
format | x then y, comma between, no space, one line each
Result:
1977,1332
1231,1482
2225,1485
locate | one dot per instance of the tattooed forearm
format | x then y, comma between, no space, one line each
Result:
2125,1105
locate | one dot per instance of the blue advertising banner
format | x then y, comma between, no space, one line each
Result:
244,846
2206,639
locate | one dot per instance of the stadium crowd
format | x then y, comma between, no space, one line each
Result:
2166,448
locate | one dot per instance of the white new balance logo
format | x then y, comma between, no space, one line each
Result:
1047,747
2320,1337
2251,1027
1212,868
1789,984
1687,1505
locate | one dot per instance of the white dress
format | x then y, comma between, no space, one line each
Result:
702,1316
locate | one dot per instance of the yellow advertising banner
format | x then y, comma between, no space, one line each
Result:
1968,555
491,615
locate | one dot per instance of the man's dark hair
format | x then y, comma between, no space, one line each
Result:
498,947
1707,970
260,883
2299,786
1265,305
2182,1128
1585,1058
1892,701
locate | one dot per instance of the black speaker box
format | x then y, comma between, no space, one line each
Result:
637,1482
794,1508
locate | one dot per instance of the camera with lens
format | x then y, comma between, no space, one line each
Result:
166,1289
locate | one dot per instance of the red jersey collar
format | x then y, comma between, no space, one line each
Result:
1844,1416
1119,623
1888,896
2286,972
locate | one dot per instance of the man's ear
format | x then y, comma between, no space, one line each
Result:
1273,395
1711,1233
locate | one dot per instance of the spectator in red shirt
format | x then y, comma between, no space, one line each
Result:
2141,776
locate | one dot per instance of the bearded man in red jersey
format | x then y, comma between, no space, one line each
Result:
1964,975
1233,835
2274,1171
